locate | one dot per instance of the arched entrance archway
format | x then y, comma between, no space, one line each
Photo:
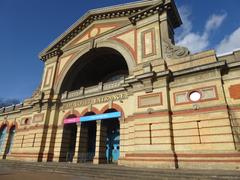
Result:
10,140
3,134
112,140
87,140
68,141
97,65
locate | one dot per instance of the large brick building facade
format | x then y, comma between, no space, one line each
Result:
116,89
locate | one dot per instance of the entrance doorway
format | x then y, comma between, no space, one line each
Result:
112,139
108,138
68,141
9,141
3,134
87,143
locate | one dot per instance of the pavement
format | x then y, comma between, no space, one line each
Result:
17,170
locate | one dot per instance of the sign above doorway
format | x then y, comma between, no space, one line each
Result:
93,117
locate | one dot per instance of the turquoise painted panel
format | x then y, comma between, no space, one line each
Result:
100,116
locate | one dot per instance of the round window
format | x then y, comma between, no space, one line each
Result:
195,96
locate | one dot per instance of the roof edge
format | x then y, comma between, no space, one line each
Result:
124,10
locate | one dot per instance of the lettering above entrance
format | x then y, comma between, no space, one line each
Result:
96,100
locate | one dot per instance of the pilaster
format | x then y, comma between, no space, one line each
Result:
76,152
100,144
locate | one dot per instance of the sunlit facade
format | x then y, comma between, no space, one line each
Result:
116,89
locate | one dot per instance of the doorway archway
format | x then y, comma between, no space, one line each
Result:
10,140
68,141
87,143
3,134
97,65
110,138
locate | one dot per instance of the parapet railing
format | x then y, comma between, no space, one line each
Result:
13,107
93,89
100,87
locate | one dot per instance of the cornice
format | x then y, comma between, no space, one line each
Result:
53,53
215,65
157,8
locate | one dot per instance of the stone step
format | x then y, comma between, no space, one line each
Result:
118,172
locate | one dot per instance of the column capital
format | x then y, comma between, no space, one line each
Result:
121,119
98,122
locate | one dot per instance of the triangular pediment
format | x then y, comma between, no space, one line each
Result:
132,12
94,30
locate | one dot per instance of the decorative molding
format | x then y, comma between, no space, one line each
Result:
53,53
150,100
38,118
48,77
54,50
134,11
207,94
149,11
95,31
174,52
133,49
145,45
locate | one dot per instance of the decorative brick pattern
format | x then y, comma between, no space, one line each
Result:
148,43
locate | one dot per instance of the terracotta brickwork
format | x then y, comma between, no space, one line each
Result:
234,91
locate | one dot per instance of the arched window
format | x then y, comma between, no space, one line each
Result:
26,122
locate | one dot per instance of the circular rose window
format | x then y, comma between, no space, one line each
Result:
195,96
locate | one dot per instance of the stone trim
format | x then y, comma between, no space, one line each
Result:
135,12
200,90
156,95
153,43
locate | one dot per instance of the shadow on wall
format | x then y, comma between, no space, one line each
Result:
236,129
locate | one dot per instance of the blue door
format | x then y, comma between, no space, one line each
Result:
115,150
112,146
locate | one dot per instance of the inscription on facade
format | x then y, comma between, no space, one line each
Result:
96,100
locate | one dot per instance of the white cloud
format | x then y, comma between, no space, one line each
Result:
214,22
196,41
186,27
230,42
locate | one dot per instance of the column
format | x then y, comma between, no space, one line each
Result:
100,149
76,151
122,140
58,144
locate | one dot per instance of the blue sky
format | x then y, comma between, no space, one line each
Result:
27,27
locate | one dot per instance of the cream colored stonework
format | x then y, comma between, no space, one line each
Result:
168,132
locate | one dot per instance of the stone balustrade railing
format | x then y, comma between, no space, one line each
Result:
101,87
14,107
93,89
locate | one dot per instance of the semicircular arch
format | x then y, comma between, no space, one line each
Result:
128,57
